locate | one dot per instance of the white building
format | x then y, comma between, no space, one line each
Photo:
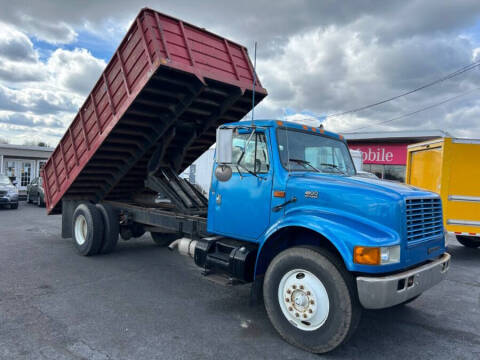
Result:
200,172
22,163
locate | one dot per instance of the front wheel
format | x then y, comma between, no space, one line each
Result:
310,299
469,241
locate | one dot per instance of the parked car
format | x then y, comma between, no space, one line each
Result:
35,193
8,192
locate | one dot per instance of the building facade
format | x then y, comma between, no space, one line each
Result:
385,153
23,163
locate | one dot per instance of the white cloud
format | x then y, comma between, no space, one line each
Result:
52,32
15,45
41,95
75,70
333,69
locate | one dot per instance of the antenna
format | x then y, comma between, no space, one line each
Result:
254,81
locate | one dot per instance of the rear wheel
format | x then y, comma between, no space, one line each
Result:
469,241
163,239
111,227
87,229
310,299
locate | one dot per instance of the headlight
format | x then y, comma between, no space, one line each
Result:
390,254
384,255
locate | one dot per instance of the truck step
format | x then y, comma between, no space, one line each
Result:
227,256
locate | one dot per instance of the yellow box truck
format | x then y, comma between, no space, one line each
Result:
450,167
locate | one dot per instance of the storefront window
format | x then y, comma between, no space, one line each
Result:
394,172
377,170
387,172
26,172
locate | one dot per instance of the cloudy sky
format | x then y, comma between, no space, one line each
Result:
316,58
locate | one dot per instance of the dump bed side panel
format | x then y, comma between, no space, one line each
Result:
168,84
462,208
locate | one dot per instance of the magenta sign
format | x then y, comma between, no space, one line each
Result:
393,154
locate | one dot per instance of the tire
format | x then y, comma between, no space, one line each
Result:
163,239
111,227
40,202
87,229
469,241
137,230
336,309
14,206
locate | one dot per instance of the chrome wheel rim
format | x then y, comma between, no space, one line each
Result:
303,299
81,230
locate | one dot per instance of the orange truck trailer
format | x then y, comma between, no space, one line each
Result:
451,167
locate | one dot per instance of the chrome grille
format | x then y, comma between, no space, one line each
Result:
424,219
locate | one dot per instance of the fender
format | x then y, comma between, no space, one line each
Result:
344,231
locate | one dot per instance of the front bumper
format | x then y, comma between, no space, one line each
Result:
6,200
386,291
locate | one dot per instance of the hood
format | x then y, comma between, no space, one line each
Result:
377,200
6,187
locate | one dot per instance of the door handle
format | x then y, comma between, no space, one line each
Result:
279,207
218,199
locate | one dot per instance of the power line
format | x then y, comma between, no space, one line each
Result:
447,77
422,109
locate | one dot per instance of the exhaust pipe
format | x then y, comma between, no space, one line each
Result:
184,246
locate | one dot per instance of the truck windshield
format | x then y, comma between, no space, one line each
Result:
302,151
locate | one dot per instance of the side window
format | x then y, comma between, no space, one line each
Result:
255,153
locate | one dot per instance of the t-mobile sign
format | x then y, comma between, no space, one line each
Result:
392,154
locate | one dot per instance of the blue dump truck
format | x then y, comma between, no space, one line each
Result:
285,212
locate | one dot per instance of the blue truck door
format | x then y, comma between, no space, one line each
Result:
242,204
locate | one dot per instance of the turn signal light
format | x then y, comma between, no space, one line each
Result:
366,255
278,193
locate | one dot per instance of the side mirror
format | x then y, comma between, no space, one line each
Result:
224,146
223,172
14,182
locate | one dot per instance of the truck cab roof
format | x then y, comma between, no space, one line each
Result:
286,124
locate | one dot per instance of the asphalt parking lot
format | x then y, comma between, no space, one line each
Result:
144,302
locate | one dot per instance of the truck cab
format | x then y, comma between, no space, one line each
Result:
286,187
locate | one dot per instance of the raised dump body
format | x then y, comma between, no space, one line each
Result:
167,88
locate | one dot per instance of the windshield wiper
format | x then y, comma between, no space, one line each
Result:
304,163
333,166
237,165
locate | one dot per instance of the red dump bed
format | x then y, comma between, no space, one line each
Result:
168,85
